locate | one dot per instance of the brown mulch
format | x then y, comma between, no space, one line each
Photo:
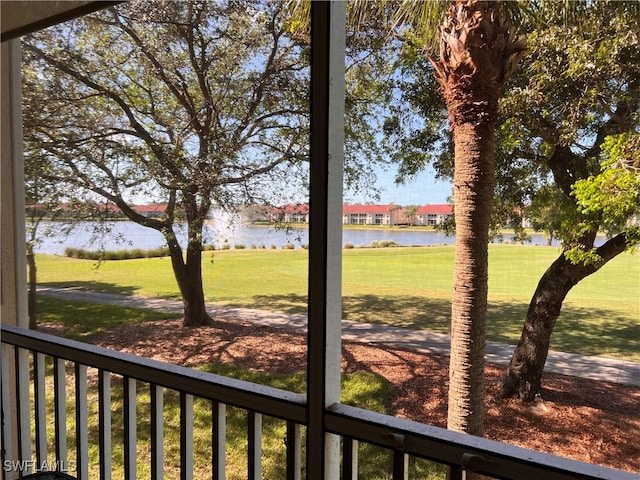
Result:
587,420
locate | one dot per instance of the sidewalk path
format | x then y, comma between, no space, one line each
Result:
596,368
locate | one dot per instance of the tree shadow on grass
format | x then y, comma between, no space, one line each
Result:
292,303
89,319
581,330
578,330
100,287
597,332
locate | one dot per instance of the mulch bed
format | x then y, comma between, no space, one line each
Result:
587,420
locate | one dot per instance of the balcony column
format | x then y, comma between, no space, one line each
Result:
13,280
328,32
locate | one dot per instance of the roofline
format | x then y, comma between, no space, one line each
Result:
42,14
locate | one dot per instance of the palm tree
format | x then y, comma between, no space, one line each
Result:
478,51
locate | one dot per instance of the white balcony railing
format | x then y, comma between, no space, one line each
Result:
41,403
26,446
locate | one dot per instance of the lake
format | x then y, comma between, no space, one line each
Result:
127,235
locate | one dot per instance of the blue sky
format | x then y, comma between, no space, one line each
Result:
422,190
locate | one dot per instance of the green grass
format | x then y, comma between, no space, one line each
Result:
409,287
82,320
363,389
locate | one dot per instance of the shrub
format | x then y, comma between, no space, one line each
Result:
72,252
348,245
383,244
80,253
239,246
116,255
288,246
157,252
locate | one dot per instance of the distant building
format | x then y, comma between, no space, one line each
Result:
366,214
436,214
254,214
155,210
291,214
370,214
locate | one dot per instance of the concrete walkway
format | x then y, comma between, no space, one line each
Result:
596,368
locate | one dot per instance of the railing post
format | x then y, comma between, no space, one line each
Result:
130,427
294,451
254,440
39,388
157,432
186,436
328,31
23,403
104,428
8,381
455,473
219,439
349,458
60,409
82,423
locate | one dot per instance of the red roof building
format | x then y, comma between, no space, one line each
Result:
292,213
373,214
434,214
369,214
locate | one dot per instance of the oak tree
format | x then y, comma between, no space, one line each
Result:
578,91
187,103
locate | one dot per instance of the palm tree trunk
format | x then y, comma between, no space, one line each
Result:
473,192
478,51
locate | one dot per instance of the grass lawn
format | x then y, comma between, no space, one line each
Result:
87,319
409,287
363,389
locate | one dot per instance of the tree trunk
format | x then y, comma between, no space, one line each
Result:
524,373
188,273
473,193
31,295
478,51
187,269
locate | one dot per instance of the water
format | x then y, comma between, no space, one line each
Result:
127,235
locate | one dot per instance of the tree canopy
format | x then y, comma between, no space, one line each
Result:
187,103
577,90
192,105
571,108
